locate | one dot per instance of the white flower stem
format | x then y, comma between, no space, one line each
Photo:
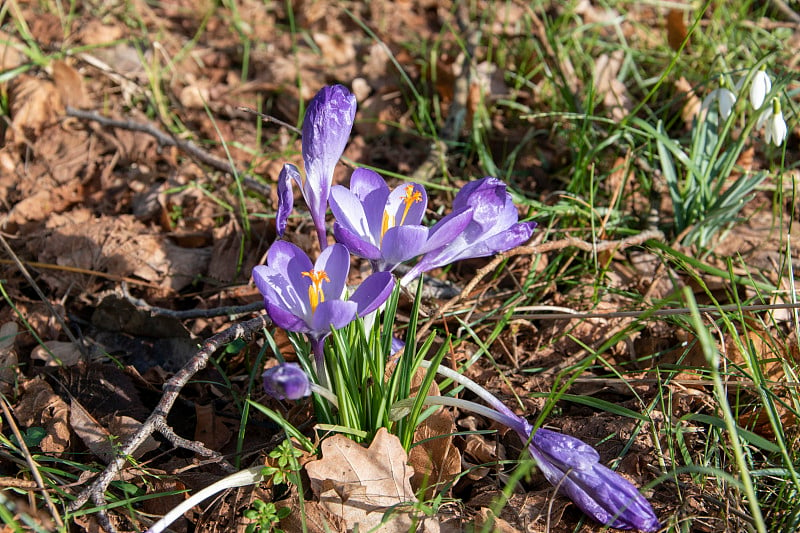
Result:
249,476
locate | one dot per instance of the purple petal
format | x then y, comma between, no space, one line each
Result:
349,213
355,243
278,291
566,449
372,292
365,182
335,261
288,173
286,381
326,130
286,319
290,262
447,229
506,240
372,191
332,314
402,243
573,466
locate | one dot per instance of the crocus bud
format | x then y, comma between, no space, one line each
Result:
573,466
286,381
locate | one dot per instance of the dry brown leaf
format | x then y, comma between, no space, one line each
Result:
41,407
104,442
691,104
57,353
613,92
70,85
209,428
8,357
676,29
435,460
361,484
10,55
34,103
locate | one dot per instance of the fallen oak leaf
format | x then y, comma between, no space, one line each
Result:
362,484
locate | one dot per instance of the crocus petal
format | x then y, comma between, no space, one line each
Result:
335,261
355,243
278,291
365,182
447,229
288,173
332,314
326,130
759,89
286,319
573,467
289,261
402,243
286,381
349,213
372,292
504,241
372,192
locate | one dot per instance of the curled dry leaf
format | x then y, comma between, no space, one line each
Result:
613,92
41,407
101,441
57,353
691,104
70,85
34,103
8,357
435,460
361,484
209,428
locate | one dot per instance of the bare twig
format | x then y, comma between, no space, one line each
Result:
269,118
157,420
163,139
232,311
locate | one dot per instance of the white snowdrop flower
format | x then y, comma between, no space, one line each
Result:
725,98
759,89
772,122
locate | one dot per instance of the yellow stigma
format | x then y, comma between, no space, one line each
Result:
315,294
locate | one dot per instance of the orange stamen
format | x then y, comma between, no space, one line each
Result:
315,294
411,197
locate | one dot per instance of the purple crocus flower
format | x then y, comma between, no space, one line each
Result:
494,227
383,225
288,173
309,298
573,466
326,129
287,381
568,463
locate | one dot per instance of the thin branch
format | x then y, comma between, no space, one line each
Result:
157,419
163,139
232,311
